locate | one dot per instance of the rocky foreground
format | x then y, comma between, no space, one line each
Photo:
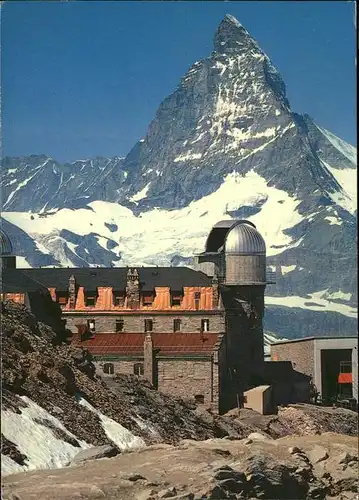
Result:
315,467
58,414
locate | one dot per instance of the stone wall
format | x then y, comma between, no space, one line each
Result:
135,323
120,366
186,378
177,377
300,353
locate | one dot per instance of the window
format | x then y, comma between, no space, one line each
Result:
138,369
176,325
147,299
119,325
197,297
119,299
62,299
91,325
176,298
148,325
199,398
108,368
205,325
90,300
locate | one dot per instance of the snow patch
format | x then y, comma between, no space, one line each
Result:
346,149
347,179
141,194
287,269
142,424
118,434
315,302
338,295
21,262
188,156
334,221
36,441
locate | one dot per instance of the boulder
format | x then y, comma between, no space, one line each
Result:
95,453
269,478
318,454
294,450
345,458
258,436
167,493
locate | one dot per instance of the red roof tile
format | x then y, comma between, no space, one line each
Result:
132,343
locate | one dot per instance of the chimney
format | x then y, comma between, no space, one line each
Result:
72,292
215,292
148,358
133,289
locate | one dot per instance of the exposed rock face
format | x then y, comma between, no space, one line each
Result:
50,184
212,469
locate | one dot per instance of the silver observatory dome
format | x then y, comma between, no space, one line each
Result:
244,239
5,244
244,255
235,253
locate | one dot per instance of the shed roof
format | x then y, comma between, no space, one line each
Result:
308,339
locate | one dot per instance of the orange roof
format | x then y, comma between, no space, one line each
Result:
132,343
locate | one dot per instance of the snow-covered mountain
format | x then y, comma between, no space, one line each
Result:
225,144
40,183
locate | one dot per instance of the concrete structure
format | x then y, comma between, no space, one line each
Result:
260,399
323,359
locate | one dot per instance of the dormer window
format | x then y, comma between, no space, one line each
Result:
176,298
62,298
147,299
197,298
90,298
119,298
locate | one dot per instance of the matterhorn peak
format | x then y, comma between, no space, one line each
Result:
231,37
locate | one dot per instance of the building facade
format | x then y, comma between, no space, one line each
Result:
332,362
191,333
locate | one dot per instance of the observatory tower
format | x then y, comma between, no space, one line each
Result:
235,256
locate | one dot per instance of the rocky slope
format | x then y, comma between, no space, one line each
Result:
49,386
54,405
288,468
225,144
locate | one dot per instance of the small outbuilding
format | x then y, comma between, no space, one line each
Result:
331,362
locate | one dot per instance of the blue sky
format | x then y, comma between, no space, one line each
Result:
81,79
